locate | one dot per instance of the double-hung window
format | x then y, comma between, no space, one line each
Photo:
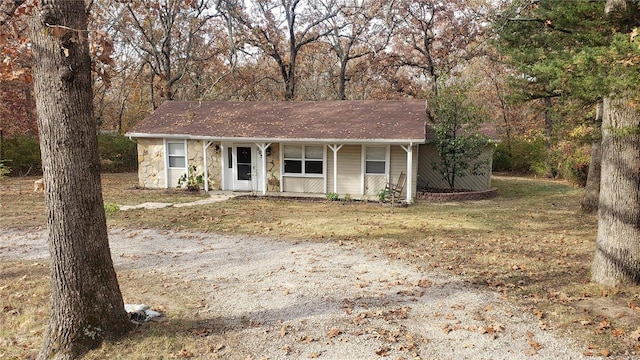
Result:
376,160
177,155
303,160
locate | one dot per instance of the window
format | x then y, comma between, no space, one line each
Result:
293,159
177,155
376,160
313,159
299,159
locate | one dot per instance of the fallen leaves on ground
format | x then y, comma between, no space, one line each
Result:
383,351
535,346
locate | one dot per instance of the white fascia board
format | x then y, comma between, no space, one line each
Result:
278,140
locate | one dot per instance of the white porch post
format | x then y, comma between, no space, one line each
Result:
223,166
409,150
263,150
205,145
335,149
165,153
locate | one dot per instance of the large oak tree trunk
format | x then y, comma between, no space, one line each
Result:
590,198
86,303
589,203
617,258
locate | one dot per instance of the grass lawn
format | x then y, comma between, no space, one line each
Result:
530,244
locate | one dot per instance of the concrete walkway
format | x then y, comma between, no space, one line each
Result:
218,196
215,197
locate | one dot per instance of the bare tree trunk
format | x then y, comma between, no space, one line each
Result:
548,133
590,198
589,203
342,83
86,303
617,258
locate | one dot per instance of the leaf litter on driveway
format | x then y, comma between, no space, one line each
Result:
284,300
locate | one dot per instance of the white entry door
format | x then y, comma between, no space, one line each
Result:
244,165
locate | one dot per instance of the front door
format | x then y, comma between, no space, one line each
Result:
244,168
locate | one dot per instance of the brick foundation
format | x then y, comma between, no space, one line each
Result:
458,196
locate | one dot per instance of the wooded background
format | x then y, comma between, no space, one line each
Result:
522,58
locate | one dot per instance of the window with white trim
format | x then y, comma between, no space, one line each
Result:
303,159
177,155
376,160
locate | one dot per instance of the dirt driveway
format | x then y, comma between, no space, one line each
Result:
283,300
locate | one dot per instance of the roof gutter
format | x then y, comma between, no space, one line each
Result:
280,140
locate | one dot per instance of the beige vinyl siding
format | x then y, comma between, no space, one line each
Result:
312,185
398,164
374,183
415,177
430,178
310,182
174,177
349,170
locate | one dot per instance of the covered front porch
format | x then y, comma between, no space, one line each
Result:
308,169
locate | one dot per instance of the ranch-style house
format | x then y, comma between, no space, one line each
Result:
342,147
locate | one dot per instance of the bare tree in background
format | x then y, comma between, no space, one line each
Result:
169,37
357,31
280,29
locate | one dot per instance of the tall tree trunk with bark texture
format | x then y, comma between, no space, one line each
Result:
86,303
589,203
590,198
617,258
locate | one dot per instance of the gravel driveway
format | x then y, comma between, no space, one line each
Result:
284,300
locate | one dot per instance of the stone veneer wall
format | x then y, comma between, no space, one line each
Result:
273,169
214,167
194,152
151,163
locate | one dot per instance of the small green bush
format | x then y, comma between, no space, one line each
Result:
117,153
331,196
22,154
384,195
111,208
192,181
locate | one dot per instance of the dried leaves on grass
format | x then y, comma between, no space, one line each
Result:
24,309
530,244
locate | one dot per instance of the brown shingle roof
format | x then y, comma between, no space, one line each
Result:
321,120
